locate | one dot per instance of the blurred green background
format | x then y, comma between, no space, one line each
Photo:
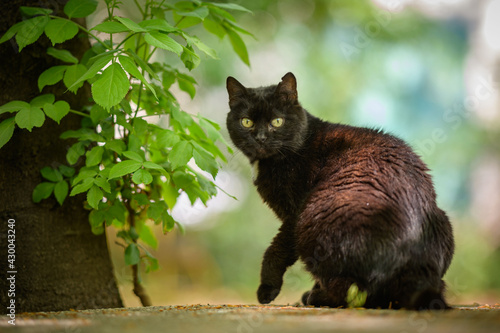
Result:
426,71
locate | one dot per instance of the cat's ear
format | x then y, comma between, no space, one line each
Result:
235,90
287,88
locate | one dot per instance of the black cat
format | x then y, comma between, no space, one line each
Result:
357,205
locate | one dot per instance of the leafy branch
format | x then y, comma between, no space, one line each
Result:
134,168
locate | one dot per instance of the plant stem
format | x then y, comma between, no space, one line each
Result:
123,41
179,21
139,7
139,290
79,113
150,55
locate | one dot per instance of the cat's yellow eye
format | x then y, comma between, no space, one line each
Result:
278,122
245,122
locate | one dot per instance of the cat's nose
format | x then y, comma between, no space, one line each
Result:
261,137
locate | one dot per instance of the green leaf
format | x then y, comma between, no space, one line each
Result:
66,171
14,106
155,210
29,118
130,66
140,126
74,152
73,74
200,12
190,59
162,41
157,24
122,121
142,176
94,68
97,113
167,79
80,8
205,161
166,138
184,22
193,40
30,31
214,28
182,179
59,30
231,6
57,110
111,27
51,174
124,168
234,26
96,218
32,11
140,199
148,237
42,191
168,222
207,186
118,146
130,24
83,174
180,154
11,32
153,166
63,55
132,255
97,230
111,87
94,196
61,191
103,183
83,134
41,100
238,46
85,185
186,84
133,156
94,156
143,65
51,76
211,128
182,117
6,130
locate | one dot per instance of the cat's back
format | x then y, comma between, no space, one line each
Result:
365,173
372,195
370,157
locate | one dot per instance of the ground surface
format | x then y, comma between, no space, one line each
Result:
250,318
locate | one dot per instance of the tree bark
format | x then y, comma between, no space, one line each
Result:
60,264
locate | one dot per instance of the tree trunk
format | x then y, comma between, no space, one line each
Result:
59,263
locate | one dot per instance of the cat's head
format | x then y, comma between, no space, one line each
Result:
267,121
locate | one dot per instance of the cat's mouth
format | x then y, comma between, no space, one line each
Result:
260,152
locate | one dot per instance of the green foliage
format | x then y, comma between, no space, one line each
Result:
134,169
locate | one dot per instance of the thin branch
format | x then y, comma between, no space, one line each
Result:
79,113
139,7
139,290
120,244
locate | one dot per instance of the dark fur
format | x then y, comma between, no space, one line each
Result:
357,204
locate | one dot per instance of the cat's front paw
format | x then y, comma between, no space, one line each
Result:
267,293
